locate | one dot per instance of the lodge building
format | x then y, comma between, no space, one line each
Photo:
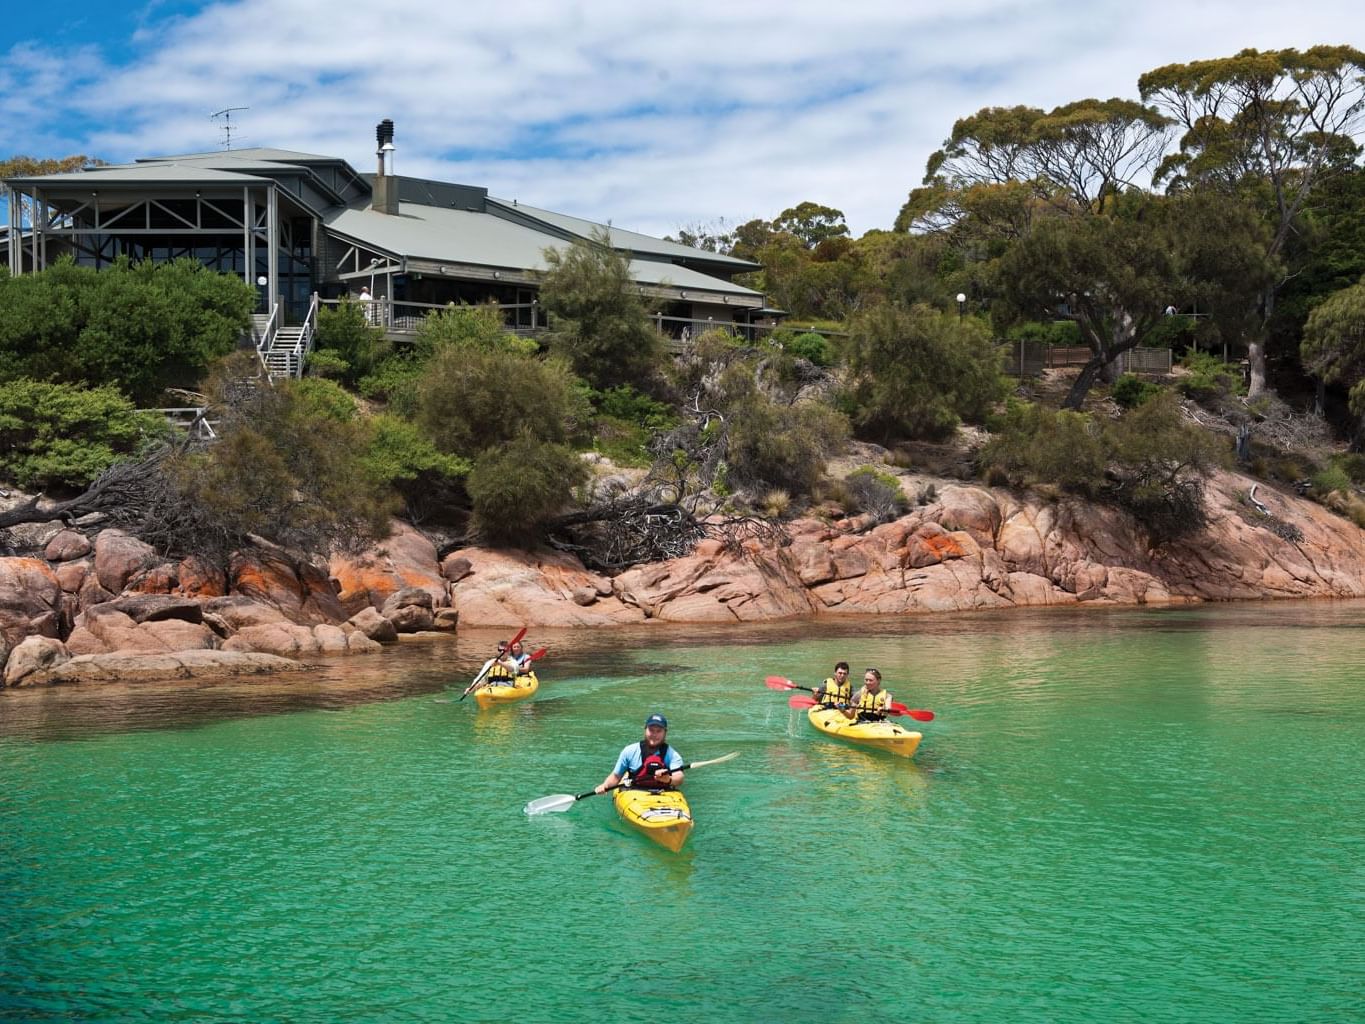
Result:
305,228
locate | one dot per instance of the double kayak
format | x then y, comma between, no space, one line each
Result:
663,816
884,735
506,693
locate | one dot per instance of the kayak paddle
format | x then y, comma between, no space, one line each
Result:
489,664
563,801
779,683
896,708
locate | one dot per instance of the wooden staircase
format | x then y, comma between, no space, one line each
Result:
283,349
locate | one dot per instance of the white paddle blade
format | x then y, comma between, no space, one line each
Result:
551,804
715,760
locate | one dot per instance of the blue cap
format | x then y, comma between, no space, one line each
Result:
658,720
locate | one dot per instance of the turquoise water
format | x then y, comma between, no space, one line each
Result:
1116,816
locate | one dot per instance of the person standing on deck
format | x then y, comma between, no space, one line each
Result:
648,764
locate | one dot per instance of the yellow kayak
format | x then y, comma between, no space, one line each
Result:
664,816
496,693
885,735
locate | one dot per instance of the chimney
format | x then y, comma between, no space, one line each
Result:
385,184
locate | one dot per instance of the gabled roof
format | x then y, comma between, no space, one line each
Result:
274,156
630,241
477,239
143,174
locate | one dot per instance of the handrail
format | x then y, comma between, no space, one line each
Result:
198,424
304,344
267,339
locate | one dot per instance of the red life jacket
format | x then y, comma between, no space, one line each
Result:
643,777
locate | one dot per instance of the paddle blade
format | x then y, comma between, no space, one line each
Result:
798,701
919,715
556,804
715,760
537,655
778,683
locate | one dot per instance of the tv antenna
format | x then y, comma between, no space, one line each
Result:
227,125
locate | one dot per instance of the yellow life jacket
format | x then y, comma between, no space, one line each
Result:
864,701
500,674
831,692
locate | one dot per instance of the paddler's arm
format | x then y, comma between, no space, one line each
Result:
675,777
607,783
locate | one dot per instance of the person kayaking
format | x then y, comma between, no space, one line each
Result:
504,668
836,690
521,661
648,764
870,703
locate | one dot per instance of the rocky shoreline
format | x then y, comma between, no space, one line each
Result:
114,610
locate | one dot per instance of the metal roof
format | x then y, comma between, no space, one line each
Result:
144,174
632,241
479,239
274,156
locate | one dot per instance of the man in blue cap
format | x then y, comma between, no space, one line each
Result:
649,764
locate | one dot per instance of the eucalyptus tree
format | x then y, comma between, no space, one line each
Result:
1041,206
1267,126
1333,346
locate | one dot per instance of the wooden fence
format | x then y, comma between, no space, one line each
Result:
1030,358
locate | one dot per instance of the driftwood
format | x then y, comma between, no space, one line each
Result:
617,535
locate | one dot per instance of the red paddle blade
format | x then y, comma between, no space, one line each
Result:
536,656
778,683
915,713
516,639
801,701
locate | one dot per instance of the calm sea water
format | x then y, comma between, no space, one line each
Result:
1117,816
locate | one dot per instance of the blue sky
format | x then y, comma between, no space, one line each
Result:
654,116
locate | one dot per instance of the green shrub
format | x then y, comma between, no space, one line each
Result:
621,441
1063,333
876,493
1032,444
324,363
771,444
1333,478
467,327
286,468
348,347
1158,464
395,381
624,402
468,400
811,346
1352,464
1130,391
916,373
597,318
58,435
323,398
519,486
141,327
1209,378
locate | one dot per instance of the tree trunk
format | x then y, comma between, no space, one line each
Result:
1075,398
1256,357
1256,346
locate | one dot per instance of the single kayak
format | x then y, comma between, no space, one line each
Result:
499,693
884,735
663,816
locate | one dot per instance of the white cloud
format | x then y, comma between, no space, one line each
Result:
651,116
